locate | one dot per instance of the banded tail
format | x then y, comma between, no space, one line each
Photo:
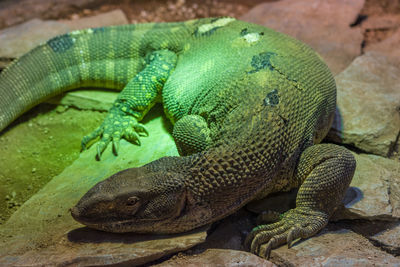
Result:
101,57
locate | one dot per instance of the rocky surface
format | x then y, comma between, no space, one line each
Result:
368,99
388,47
17,11
217,257
93,99
322,24
42,231
382,234
29,161
374,192
18,40
349,243
333,246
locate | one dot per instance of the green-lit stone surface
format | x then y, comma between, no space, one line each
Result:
44,219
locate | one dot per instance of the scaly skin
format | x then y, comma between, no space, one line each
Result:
249,105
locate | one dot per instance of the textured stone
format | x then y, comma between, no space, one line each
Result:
368,100
14,12
388,47
115,17
375,190
383,234
378,22
93,99
218,257
389,239
18,40
42,231
333,247
323,24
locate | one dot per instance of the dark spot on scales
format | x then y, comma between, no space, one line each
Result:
244,32
98,30
207,33
272,98
61,43
262,61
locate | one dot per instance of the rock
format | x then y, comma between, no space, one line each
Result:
385,21
333,247
368,100
375,189
85,247
20,39
93,99
388,47
42,231
115,17
218,257
389,239
382,234
17,40
322,24
15,12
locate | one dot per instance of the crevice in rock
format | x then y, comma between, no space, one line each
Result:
350,147
393,146
388,249
368,229
360,18
162,259
372,36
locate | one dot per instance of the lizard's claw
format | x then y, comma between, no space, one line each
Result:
293,224
140,128
116,125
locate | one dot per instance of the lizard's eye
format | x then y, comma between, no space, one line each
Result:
132,201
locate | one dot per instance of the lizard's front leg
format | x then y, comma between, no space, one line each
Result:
134,101
327,171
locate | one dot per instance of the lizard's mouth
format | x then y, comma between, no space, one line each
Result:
135,223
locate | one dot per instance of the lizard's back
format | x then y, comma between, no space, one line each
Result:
234,76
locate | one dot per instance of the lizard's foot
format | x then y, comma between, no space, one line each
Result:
293,224
116,125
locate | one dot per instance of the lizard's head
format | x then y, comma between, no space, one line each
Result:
134,200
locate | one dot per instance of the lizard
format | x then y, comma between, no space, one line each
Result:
250,107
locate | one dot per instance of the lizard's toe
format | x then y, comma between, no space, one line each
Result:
132,136
115,142
140,128
101,146
87,138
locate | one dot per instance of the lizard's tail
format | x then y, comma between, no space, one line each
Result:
102,57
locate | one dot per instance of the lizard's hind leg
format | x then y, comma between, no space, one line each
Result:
191,135
324,172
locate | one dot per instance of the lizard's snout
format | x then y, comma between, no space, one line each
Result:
74,213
